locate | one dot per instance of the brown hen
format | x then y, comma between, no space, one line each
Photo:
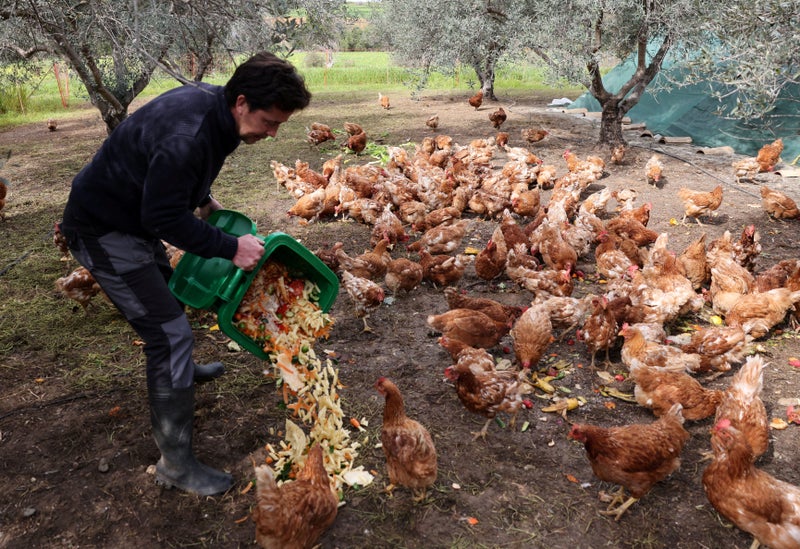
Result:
309,206
752,499
295,514
357,143
470,327
694,263
498,117
599,331
778,205
490,262
488,392
556,252
500,312
653,170
638,351
631,228
634,456
442,239
371,264
501,139
79,285
719,347
442,269
521,269
611,262
440,216
532,333
432,122
641,214
319,133
746,169
757,314
365,295
534,135
783,273
388,225
60,242
567,312
742,405
407,445
699,203
659,389
527,203
513,232
476,100
769,155
746,250
402,274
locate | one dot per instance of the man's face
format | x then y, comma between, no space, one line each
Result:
255,125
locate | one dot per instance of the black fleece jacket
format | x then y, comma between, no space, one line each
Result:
155,168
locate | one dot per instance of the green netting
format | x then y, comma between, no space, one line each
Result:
692,110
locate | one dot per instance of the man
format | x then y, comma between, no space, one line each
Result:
145,184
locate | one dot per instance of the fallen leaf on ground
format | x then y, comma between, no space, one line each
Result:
778,424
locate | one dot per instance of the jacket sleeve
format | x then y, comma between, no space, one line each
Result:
174,186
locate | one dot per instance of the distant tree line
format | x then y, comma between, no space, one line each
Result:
114,47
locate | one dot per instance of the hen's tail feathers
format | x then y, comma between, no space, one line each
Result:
677,411
750,377
264,479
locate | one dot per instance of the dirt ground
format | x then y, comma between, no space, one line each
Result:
75,457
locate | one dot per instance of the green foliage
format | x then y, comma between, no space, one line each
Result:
314,59
363,71
362,10
358,39
18,81
14,99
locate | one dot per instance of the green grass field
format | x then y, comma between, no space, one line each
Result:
40,99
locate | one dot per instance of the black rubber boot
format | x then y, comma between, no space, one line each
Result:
172,416
208,372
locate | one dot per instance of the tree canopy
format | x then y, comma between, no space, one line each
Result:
577,39
441,35
114,47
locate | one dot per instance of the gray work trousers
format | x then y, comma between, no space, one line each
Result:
134,272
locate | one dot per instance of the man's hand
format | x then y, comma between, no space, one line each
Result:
204,212
249,252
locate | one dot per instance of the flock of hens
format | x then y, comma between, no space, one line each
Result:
418,207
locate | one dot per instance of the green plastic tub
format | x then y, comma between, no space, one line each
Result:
217,284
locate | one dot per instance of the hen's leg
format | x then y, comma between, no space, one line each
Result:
568,330
607,363
615,498
513,420
482,432
366,327
419,494
619,511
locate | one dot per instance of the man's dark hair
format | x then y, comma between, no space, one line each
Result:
267,81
